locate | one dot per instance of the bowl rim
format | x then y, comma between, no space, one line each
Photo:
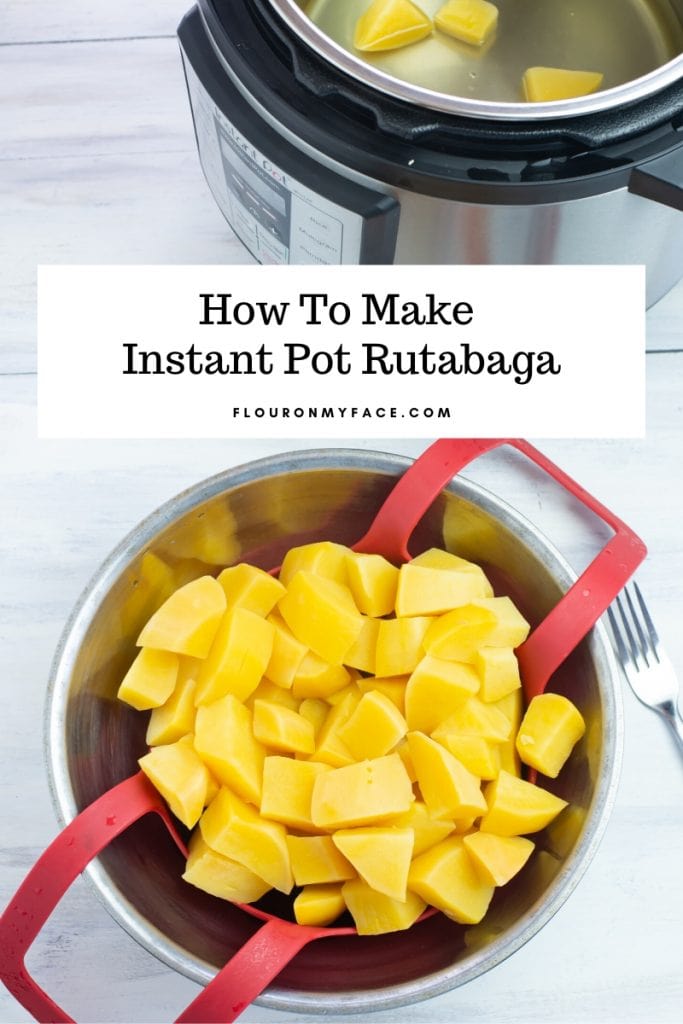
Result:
354,1000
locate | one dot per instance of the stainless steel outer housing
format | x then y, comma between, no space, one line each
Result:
607,99
255,512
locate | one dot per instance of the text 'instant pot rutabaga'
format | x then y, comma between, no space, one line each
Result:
291,358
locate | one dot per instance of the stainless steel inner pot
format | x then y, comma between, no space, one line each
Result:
256,512
636,44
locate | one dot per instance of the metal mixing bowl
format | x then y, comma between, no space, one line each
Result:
255,513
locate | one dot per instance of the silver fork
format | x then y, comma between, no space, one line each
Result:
647,668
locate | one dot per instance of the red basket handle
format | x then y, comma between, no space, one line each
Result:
243,978
583,604
65,858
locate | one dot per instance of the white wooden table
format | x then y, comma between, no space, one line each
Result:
98,165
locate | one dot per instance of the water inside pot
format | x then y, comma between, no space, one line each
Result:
621,39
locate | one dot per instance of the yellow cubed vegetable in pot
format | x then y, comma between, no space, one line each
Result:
218,875
361,794
180,776
470,21
280,728
497,859
399,645
363,653
390,24
286,655
551,727
544,85
238,657
150,680
381,856
315,677
372,580
374,728
448,788
329,747
251,588
425,591
288,789
175,718
233,828
224,739
393,687
428,830
445,877
322,614
273,693
474,718
512,706
316,860
498,670
480,756
319,905
188,620
435,690
374,913
458,635
324,558
315,711
517,807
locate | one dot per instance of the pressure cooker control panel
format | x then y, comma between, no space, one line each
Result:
276,199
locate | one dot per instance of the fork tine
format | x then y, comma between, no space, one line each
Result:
618,637
654,639
630,643
644,648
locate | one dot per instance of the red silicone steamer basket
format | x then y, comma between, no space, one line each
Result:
264,955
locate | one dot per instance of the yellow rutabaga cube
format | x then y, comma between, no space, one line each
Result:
425,591
512,706
218,875
393,687
374,913
234,829
458,635
319,905
280,728
175,718
435,690
363,653
543,85
150,680
251,588
447,787
274,694
224,739
330,748
361,794
445,877
437,558
315,711
510,629
390,24
497,859
381,856
148,583
188,620
427,829
238,657
323,558
551,727
498,671
316,860
480,756
374,728
322,614
399,645
180,776
517,807
372,580
474,718
288,789
470,21
286,655
315,677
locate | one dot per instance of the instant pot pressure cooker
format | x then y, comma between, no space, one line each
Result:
315,155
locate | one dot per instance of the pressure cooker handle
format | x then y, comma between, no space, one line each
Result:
65,858
583,604
660,180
